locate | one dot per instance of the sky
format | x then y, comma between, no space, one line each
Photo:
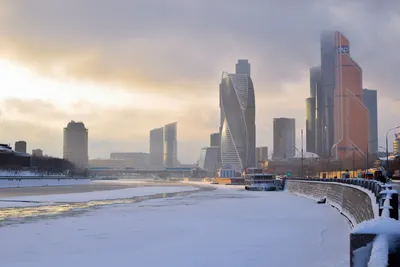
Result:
124,67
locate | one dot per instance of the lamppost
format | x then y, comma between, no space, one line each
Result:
387,146
302,155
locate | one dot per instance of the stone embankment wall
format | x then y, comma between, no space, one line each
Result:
354,203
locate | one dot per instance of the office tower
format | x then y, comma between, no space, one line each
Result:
20,146
243,67
215,139
326,96
157,148
351,115
237,128
261,155
37,152
208,160
396,144
370,100
312,141
76,144
170,145
284,138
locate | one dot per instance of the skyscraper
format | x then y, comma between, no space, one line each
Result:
351,115
326,95
261,155
20,146
170,145
215,139
243,67
311,111
335,101
370,100
237,129
76,144
284,138
157,148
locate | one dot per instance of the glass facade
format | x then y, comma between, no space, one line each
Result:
170,145
351,115
237,129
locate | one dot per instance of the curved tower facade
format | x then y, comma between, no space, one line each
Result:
237,129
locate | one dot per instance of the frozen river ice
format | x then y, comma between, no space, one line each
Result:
224,227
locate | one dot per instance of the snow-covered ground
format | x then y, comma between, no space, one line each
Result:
229,227
89,196
9,183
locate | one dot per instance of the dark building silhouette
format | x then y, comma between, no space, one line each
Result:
20,146
370,100
157,148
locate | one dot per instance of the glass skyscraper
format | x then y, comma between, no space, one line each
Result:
237,128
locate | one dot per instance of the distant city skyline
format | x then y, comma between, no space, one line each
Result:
157,68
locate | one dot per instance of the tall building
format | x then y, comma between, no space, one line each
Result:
37,152
75,147
370,100
170,145
157,148
215,139
209,159
284,138
396,144
261,155
335,100
311,111
237,128
243,67
351,115
20,146
326,95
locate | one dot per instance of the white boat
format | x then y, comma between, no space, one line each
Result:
257,180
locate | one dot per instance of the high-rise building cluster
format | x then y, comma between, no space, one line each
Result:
164,146
341,117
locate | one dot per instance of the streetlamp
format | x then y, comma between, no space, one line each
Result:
302,155
387,146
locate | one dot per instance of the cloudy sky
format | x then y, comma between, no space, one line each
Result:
126,66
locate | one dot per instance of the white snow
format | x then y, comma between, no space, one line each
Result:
229,227
89,196
5,183
378,226
379,254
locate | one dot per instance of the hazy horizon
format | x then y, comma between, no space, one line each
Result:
126,67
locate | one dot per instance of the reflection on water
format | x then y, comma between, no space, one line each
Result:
44,209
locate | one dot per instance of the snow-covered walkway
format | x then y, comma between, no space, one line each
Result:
225,227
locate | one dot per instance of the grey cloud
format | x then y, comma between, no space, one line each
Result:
185,42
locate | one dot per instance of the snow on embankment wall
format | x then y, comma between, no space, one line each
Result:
353,202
